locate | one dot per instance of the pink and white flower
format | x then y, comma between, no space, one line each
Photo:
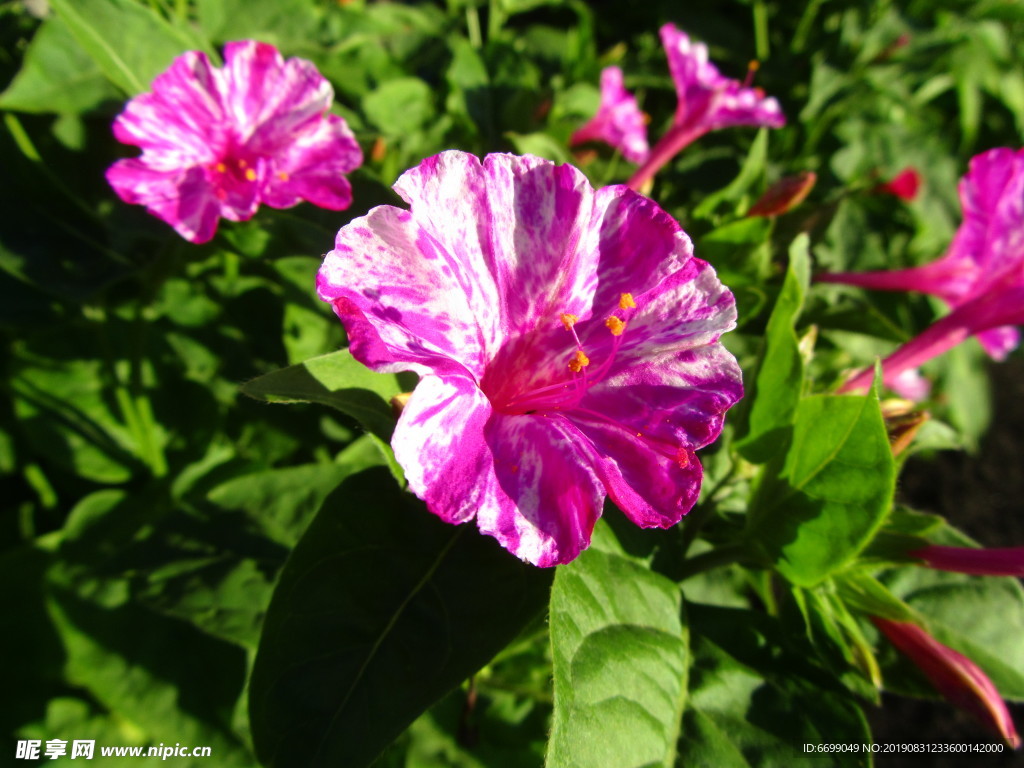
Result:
618,122
567,341
956,677
218,142
708,101
981,276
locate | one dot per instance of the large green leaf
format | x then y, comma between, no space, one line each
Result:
755,698
57,75
779,380
129,42
337,380
620,659
380,611
820,502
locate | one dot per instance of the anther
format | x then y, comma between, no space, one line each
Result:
250,174
752,68
220,167
569,320
626,301
282,176
579,361
615,325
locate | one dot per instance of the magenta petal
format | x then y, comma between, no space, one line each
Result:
1000,342
271,100
402,297
183,199
618,122
654,485
181,121
998,561
439,441
312,168
517,220
549,499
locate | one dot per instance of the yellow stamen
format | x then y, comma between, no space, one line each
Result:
615,325
250,174
579,361
626,301
754,65
569,320
282,176
220,167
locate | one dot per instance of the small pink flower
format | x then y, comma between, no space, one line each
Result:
981,275
218,142
955,676
707,102
618,122
1000,561
567,341
904,185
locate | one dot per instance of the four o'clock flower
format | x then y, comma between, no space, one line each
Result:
707,102
999,561
981,276
903,185
618,122
218,142
955,676
567,341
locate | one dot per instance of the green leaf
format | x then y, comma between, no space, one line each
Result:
778,383
57,75
820,502
380,611
283,23
129,42
338,380
620,658
401,106
756,698
752,171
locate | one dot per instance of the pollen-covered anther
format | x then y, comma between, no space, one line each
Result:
282,176
682,458
615,325
579,361
250,174
569,320
220,167
626,301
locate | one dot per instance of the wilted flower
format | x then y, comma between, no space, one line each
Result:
218,142
981,276
955,676
567,339
999,561
904,185
784,195
707,102
618,122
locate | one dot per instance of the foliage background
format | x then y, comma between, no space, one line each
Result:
149,506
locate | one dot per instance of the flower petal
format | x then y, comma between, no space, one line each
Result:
513,225
184,199
618,122
439,441
311,168
403,297
180,122
548,500
270,100
654,485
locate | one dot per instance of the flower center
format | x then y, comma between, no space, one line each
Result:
230,173
568,391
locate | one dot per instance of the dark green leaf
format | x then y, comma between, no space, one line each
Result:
337,380
380,611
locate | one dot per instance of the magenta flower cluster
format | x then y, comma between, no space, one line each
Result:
567,341
219,142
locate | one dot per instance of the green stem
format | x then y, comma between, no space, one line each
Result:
761,30
473,27
715,558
